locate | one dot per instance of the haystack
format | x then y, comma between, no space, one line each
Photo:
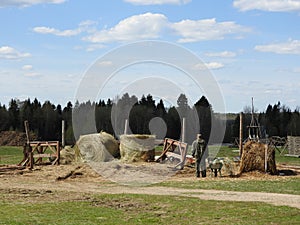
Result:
137,147
70,155
253,158
98,147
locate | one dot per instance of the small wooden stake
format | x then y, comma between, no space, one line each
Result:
63,133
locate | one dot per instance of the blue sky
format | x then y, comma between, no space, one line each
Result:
252,48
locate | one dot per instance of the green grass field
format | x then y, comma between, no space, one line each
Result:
144,209
10,155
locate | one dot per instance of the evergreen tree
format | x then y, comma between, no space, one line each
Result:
4,118
204,111
13,115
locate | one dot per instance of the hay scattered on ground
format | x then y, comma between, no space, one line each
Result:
137,147
253,158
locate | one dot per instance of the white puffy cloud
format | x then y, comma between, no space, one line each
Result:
158,2
151,26
7,52
224,54
268,5
26,3
143,26
289,47
207,29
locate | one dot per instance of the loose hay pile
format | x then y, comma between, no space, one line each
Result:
70,155
253,158
136,147
100,147
229,168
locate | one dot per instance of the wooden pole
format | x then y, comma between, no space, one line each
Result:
266,158
27,131
63,133
31,160
241,134
58,153
183,130
126,127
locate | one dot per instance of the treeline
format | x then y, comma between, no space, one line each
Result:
277,120
45,119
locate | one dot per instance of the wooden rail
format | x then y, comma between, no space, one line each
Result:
35,151
169,148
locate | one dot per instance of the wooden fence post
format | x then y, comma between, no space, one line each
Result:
241,134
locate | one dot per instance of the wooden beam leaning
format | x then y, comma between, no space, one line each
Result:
169,148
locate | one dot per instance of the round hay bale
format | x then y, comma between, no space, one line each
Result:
97,147
137,147
253,158
110,143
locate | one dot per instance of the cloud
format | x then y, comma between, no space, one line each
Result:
94,47
27,67
7,52
210,65
26,3
290,47
105,63
48,30
152,26
224,54
143,26
207,29
268,5
158,2
32,74
84,26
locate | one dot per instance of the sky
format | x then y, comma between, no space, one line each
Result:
250,48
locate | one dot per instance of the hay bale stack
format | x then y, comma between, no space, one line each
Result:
137,147
253,158
98,147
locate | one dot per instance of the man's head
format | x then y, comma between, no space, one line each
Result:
199,136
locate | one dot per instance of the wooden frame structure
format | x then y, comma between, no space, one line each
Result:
35,151
169,148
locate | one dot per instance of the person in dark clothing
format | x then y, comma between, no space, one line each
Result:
199,152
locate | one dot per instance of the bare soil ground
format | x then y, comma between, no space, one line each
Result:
78,182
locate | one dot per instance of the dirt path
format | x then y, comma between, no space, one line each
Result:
45,180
